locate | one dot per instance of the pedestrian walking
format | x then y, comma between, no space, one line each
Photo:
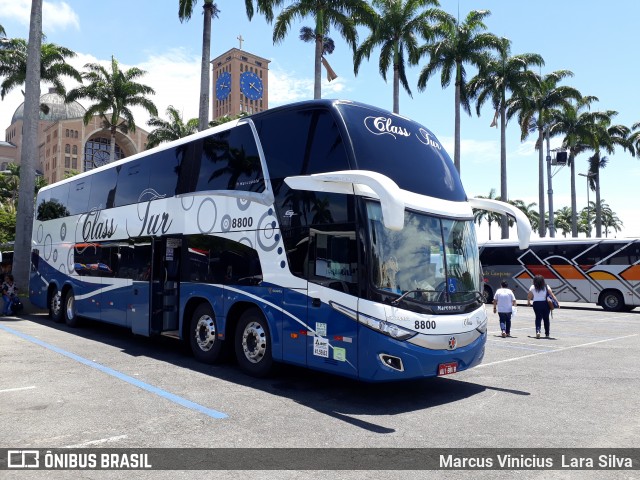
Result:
504,302
538,293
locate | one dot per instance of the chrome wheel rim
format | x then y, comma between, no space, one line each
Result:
70,307
56,304
205,333
254,342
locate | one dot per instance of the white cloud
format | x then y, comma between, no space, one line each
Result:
55,16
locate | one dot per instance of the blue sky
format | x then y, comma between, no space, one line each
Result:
593,39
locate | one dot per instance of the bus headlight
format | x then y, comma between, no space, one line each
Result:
390,329
482,326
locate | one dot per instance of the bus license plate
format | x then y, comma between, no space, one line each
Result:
447,368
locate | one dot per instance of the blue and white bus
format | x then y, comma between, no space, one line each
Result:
328,234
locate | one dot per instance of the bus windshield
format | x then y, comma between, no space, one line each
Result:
432,260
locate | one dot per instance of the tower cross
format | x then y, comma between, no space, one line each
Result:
240,39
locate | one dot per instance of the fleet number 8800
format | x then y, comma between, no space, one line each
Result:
425,324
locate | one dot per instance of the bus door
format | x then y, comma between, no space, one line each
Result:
165,282
332,303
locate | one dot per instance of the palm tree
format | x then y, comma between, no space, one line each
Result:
185,11
534,112
578,128
460,44
344,15
563,220
499,76
609,219
113,93
529,210
29,156
634,139
53,65
394,30
173,129
607,138
479,215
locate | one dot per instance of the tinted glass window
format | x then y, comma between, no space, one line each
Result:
51,203
103,189
164,169
628,255
301,143
403,150
79,196
133,179
93,260
507,255
229,160
218,260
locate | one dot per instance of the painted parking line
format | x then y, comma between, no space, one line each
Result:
93,443
17,389
119,375
554,350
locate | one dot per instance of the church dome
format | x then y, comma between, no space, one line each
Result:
58,110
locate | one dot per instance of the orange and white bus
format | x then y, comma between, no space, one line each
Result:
592,270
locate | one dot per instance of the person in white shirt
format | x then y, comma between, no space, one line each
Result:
503,302
538,294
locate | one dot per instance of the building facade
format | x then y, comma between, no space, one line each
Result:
240,83
65,144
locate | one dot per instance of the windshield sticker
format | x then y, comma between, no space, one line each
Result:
384,126
321,347
339,354
425,137
321,329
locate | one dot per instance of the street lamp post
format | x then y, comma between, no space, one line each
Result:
588,176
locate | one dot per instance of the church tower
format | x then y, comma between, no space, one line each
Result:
240,83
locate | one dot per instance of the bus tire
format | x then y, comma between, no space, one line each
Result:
69,309
55,307
253,344
612,301
203,335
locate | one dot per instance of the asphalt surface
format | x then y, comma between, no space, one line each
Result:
99,386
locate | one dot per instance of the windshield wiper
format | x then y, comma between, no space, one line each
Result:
409,292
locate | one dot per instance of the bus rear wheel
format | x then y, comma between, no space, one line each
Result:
69,310
55,307
203,335
253,344
612,301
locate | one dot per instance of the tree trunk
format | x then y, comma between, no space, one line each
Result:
396,80
29,156
203,113
541,210
317,74
598,206
574,215
112,144
504,222
456,145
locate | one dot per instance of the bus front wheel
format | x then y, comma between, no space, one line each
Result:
203,335
253,344
69,310
612,301
55,307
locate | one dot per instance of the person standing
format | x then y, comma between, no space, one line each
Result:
538,295
503,302
9,291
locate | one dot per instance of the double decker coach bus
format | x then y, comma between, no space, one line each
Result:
328,234
591,270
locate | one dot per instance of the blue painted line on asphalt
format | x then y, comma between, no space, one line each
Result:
114,373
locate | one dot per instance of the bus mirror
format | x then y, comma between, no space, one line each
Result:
359,182
522,222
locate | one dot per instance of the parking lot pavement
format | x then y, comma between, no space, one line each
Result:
100,385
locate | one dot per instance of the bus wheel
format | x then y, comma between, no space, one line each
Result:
612,301
69,310
253,344
55,307
203,331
